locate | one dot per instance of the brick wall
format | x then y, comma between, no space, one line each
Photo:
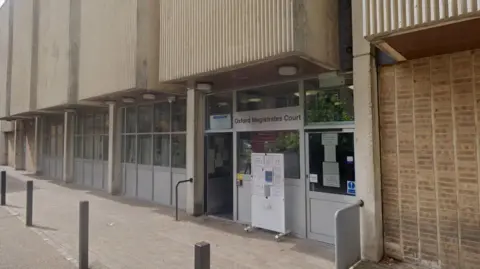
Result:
430,143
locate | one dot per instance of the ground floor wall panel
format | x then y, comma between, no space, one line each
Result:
91,173
154,183
430,145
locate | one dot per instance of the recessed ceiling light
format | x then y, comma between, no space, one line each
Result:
254,100
287,70
207,87
148,96
128,100
222,104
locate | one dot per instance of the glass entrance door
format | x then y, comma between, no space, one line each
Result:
330,172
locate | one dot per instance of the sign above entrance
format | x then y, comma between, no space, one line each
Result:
288,118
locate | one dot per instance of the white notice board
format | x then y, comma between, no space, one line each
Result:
268,192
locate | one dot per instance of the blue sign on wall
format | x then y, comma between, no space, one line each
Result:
351,187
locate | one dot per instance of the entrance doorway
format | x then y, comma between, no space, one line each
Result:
219,177
330,179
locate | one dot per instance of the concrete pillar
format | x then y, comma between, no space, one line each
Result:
40,133
195,150
18,145
3,144
68,145
114,178
367,144
30,147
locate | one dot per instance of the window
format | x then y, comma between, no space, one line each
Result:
219,111
158,136
162,117
276,96
161,150
286,142
179,116
145,119
91,140
331,104
179,148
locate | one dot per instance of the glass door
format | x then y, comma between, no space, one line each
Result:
330,172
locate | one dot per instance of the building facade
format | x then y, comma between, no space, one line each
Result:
131,97
429,131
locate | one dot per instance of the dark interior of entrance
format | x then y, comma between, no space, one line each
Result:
219,169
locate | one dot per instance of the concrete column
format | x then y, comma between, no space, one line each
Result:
3,144
367,144
114,179
37,145
195,150
30,147
18,145
40,132
68,145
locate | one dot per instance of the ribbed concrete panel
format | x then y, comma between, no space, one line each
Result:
53,54
384,16
4,51
21,56
198,36
107,46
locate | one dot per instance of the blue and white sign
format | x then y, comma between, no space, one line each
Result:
220,122
351,187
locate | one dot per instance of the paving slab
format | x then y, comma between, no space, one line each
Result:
126,233
23,248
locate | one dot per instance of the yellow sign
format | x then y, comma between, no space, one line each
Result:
239,176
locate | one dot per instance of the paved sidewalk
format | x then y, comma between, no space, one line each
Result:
129,234
23,248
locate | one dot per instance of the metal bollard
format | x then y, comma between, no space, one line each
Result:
29,207
83,236
3,179
202,255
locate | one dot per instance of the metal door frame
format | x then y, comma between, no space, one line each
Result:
322,195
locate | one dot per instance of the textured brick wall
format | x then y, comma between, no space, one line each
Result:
430,144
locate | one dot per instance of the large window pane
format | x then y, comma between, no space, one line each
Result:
286,142
331,104
130,149
219,111
145,119
79,121
179,151
78,147
145,149
179,116
105,147
59,140
99,124
276,96
162,118
88,147
131,120
89,124
161,150
99,147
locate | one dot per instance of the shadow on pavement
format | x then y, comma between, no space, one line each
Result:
44,228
